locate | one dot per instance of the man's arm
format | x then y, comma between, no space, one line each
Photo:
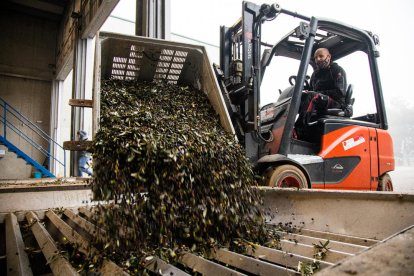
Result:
339,77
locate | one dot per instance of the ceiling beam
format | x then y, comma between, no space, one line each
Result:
40,5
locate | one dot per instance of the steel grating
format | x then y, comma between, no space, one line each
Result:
78,228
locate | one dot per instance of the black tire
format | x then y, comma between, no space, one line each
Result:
286,176
385,183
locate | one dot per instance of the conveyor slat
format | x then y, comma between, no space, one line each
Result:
58,264
337,237
89,227
160,267
332,256
84,245
86,212
153,264
69,232
249,264
17,260
206,267
335,245
280,257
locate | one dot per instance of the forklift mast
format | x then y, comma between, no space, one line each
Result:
241,73
240,59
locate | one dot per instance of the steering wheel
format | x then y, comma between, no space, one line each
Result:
306,85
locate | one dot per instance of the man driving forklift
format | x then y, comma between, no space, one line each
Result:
342,153
327,90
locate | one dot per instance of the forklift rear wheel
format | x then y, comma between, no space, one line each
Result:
385,183
287,176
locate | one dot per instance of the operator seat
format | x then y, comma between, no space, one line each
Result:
316,128
347,110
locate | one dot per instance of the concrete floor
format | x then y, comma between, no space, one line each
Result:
403,179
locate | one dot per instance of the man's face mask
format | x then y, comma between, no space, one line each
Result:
324,63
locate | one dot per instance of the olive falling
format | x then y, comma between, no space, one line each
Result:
172,176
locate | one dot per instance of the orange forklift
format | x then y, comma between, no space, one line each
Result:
341,151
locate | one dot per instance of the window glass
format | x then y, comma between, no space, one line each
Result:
358,73
356,66
277,76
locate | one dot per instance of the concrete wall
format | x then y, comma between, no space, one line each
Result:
27,63
28,45
32,99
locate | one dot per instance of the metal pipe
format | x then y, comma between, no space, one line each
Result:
29,124
64,163
296,97
295,14
24,117
5,120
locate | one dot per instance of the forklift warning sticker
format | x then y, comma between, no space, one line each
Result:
353,142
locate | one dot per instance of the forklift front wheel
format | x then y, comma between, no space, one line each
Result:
385,183
286,176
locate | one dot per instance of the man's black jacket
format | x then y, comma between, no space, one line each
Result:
331,82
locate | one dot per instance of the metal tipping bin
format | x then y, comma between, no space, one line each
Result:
131,57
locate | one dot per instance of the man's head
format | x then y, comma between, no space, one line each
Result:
322,58
83,135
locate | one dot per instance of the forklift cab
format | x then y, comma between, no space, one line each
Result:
343,42
328,135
